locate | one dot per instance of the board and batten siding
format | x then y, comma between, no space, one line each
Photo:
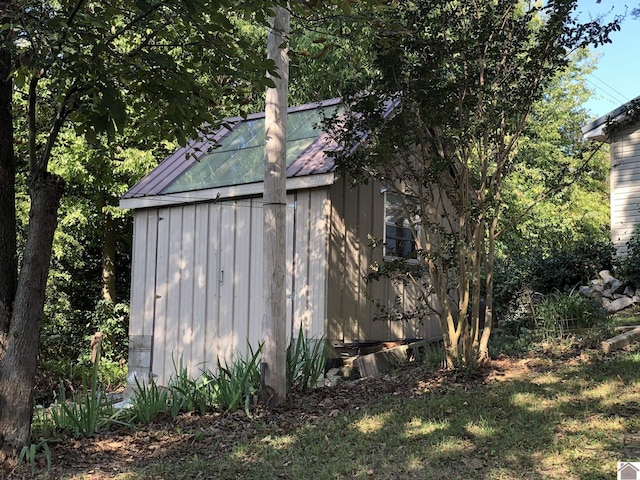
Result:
624,184
357,215
196,293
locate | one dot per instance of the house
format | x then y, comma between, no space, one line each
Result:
628,471
196,290
621,129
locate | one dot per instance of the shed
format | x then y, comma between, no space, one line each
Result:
624,155
196,290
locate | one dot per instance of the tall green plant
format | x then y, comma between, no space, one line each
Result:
86,412
306,359
189,394
149,402
559,314
238,383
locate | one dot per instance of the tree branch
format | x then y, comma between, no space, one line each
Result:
547,194
31,122
58,122
141,16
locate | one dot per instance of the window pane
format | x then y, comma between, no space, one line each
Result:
240,157
399,240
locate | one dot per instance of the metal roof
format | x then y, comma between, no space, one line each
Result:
234,156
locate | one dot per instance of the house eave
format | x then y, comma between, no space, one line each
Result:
224,193
596,133
597,130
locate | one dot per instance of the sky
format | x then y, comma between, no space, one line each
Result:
616,79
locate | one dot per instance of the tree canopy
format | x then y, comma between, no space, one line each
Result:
463,79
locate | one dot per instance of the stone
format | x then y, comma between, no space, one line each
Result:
617,286
619,304
606,276
586,291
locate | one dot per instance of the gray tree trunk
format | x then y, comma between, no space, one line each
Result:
275,197
18,363
108,253
8,257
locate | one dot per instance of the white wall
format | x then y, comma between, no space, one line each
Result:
197,281
625,186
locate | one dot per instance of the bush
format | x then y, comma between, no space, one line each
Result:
559,314
630,265
561,270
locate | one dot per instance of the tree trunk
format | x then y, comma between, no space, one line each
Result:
274,378
108,253
18,364
8,257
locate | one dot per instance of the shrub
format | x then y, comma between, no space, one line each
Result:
560,270
630,265
559,314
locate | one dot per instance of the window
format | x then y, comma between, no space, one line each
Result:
239,159
399,241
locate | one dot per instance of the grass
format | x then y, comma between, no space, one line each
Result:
540,418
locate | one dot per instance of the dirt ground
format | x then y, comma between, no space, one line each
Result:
119,450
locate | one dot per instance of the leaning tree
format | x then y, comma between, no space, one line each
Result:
456,83
90,65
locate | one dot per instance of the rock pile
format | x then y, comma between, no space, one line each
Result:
613,294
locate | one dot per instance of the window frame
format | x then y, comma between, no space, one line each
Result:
408,236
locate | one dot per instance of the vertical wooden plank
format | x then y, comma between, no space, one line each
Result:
317,264
336,267
141,292
290,264
255,275
300,268
173,354
149,260
365,222
227,341
351,285
185,267
200,277
615,158
382,290
211,333
241,276
162,287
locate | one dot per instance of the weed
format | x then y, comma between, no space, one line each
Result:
29,452
306,358
238,383
149,401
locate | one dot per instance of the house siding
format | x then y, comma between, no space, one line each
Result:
624,178
197,281
357,213
197,278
